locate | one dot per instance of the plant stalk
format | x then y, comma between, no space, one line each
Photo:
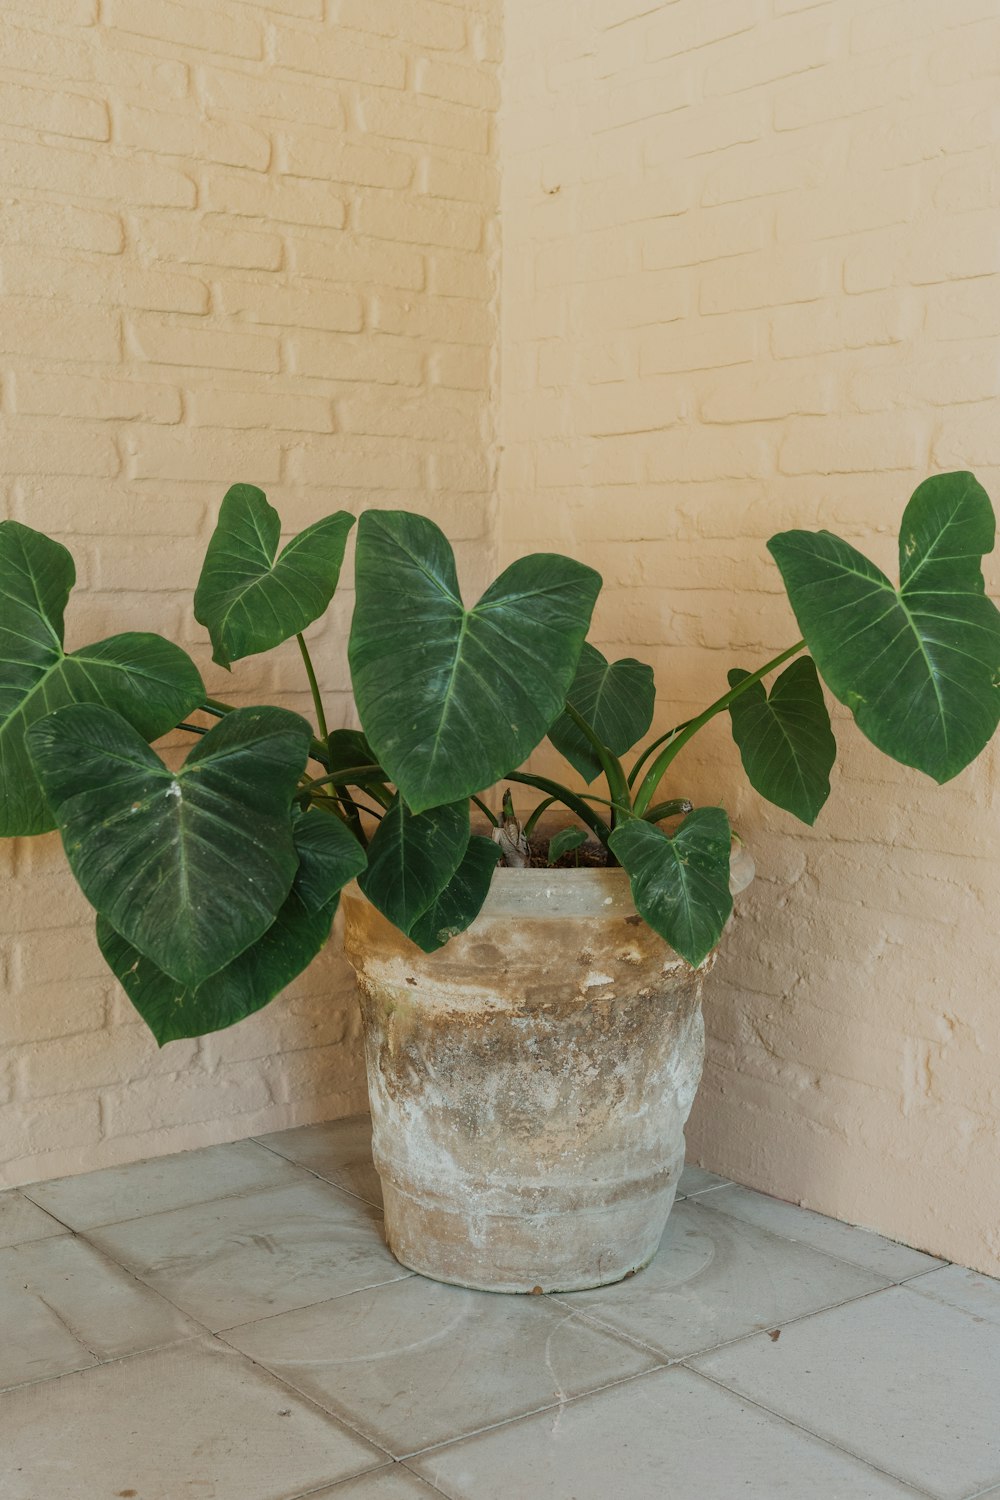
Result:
610,764
654,775
313,687
562,794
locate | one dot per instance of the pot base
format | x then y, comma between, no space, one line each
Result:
570,1250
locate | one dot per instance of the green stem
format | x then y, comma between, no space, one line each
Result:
313,687
484,809
610,764
569,799
352,776
652,748
193,728
534,816
213,706
654,775
668,809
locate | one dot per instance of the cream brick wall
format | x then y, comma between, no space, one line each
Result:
752,281
240,241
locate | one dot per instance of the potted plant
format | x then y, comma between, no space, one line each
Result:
533,1035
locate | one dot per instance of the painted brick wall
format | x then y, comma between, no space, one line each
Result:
752,281
240,241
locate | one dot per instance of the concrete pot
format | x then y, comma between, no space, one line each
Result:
529,1083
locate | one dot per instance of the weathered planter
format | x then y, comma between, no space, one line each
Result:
529,1083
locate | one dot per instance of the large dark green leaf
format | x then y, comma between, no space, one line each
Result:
412,857
149,681
249,600
191,866
617,701
461,901
918,666
785,740
452,698
328,858
680,882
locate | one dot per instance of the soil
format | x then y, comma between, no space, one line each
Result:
591,855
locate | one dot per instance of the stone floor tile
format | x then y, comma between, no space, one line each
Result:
393,1483
900,1379
861,1247
668,1434
22,1220
416,1362
696,1180
340,1151
238,1259
63,1306
972,1291
166,1182
716,1279
195,1420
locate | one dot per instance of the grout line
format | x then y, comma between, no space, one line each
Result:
115,1359
331,1182
370,1286
830,1254
317,1406
801,1427
556,1404
677,1359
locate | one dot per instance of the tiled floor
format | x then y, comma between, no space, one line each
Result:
228,1325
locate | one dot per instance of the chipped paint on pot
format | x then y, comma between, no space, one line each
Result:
529,1082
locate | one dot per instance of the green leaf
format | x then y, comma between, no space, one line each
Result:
412,857
565,840
785,740
148,680
191,866
452,698
459,904
347,748
329,858
918,666
617,701
680,882
248,600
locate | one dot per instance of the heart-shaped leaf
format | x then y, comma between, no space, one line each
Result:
191,866
680,882
148,680
785,740
328,858
452,698
412,857
918,666
564,841
616,699
249,600
459,904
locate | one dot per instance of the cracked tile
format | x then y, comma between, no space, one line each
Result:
63,1306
